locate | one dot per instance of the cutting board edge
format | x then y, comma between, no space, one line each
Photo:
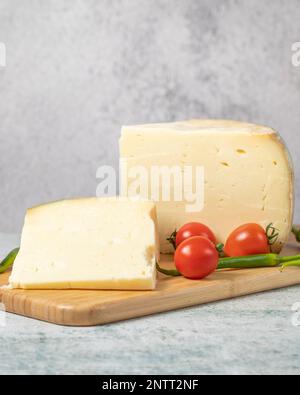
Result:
106,313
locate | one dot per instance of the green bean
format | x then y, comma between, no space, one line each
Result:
9,260
255,261
289,264
246,262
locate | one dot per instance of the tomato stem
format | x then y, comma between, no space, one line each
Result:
296,233
220,249
272,234
172,239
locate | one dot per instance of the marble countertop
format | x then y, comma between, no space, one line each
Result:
249,335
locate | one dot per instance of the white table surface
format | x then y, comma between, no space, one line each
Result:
248,335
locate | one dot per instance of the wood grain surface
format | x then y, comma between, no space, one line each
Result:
88,308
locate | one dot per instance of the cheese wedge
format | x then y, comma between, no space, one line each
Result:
248,174
88,244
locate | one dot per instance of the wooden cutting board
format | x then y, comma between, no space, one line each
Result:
87,308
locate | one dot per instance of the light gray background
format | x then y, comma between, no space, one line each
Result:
79,69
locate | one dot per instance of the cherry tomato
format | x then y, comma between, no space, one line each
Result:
196,258
249,239
194,229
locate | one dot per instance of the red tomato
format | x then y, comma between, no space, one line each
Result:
249,239
196,258
194,229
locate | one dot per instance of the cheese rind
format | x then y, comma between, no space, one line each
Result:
248,174
88,244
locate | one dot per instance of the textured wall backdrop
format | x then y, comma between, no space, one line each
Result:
79,69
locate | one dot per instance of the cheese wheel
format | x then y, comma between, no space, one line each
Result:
247,175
